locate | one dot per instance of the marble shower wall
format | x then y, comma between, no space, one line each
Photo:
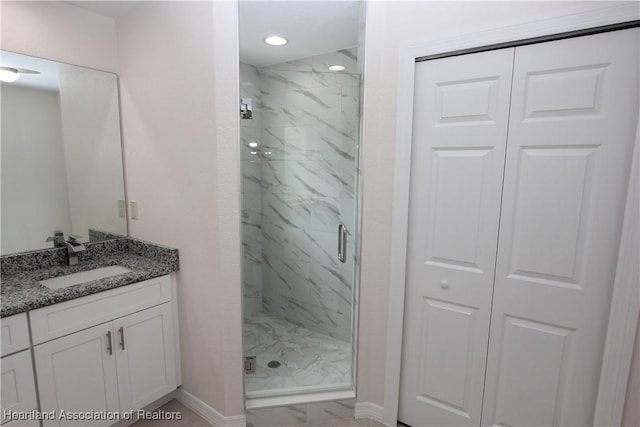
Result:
298,185
310,121
250,131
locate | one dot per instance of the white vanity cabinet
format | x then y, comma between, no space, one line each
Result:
18,387
115,366
146,356
15,333
76,373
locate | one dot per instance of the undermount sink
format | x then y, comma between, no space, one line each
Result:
84,276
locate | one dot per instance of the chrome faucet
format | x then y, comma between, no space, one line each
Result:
57,239
70,242
73,247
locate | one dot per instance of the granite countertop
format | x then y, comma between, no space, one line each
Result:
20,290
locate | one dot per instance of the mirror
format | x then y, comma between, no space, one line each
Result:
61,153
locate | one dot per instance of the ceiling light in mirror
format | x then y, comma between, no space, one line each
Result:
8,74
253,144
336,68
276,40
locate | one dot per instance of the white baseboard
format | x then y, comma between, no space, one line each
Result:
369,410
209,414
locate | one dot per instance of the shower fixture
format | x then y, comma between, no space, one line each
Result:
246,108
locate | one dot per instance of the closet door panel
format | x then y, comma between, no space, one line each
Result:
460,126
532,363
547,235
572,124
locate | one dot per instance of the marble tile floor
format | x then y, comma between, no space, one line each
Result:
309,361
191,419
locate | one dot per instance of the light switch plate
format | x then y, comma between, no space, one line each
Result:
133,204
121,210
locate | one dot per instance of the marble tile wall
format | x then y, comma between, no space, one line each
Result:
250,131
310,119
301,414
298,186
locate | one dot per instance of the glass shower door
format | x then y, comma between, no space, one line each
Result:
300,151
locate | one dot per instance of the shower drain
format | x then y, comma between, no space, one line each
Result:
273,364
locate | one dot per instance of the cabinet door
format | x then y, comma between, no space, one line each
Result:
572,127
18,388
15,333
77,374
145,356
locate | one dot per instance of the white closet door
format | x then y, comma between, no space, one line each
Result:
460,128
573,118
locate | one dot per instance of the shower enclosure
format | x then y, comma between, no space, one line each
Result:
300,148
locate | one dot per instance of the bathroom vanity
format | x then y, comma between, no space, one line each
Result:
100,339
89,327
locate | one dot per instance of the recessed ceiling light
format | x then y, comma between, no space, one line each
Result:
276,40
336,68
253,144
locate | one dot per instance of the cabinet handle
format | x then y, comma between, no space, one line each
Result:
121,331
109,345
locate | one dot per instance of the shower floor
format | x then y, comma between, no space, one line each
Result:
309,361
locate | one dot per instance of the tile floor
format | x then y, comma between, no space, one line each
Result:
309,361
188,417
191,419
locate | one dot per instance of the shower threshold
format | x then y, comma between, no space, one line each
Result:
328,396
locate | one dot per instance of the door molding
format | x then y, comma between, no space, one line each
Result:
625,308
625,303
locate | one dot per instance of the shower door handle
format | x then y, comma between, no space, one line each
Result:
342,243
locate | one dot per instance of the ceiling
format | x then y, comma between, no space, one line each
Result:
114,9
312,27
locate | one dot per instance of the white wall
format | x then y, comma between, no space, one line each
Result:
93,153
59,31
35,200
387,25
179,99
